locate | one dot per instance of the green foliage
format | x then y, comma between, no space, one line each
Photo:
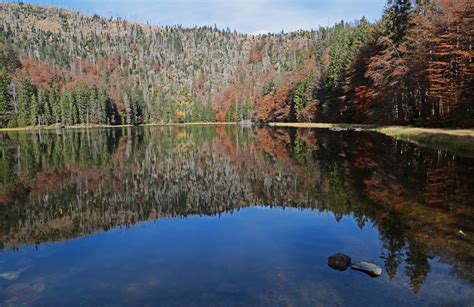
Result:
12,59
4,99
305,92
34,111
55,104
301,151
344,45
269,88
299,97
396,19
25,93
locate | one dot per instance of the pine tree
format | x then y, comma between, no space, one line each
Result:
25,92
82,99
105,107
397,19
63,104
54,102
3,60
138,105
310,87
299,97
13,61
129,112
45,107
4,100
34,111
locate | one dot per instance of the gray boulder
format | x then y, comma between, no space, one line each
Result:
339,261
367,267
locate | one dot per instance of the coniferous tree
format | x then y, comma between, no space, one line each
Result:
138,105
34,111
105,107
12,58
25,93
129,111
4,99
55,104
397,19
63,103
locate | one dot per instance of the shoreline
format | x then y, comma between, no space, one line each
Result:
78,127
387,130
458,141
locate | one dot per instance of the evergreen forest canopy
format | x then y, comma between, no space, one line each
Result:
414,67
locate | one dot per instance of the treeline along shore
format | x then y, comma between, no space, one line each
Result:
412,67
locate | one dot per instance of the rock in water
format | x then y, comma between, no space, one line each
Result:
461,234
339,261
10,275
368,267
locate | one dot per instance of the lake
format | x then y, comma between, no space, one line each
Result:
227,215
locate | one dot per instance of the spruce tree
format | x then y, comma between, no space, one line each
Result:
63,103
298,98
12,59
4,82
54,102
46,109
105,107
34,111
396,19
25,92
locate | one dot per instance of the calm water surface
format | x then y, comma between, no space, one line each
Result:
231,216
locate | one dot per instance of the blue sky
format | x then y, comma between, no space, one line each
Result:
248,16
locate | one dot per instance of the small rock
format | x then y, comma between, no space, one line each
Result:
246,122
10,275
339,261
368,267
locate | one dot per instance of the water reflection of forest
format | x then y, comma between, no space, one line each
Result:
59,186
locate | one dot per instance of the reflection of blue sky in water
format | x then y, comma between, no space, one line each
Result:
249,16
252,256
408,201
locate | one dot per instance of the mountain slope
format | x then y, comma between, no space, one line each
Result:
63,66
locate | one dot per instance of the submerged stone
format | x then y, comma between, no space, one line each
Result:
10,275
461,234
368,267
339,261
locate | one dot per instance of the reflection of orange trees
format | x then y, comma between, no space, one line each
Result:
411,222
87,183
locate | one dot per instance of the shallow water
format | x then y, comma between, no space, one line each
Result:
232,216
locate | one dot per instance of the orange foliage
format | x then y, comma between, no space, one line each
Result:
220,116
255,56
42,74
275,107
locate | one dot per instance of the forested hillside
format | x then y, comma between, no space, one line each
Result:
412,67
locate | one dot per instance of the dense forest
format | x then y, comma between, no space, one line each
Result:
414,66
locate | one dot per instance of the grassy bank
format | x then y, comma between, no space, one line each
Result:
459,141
322,125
